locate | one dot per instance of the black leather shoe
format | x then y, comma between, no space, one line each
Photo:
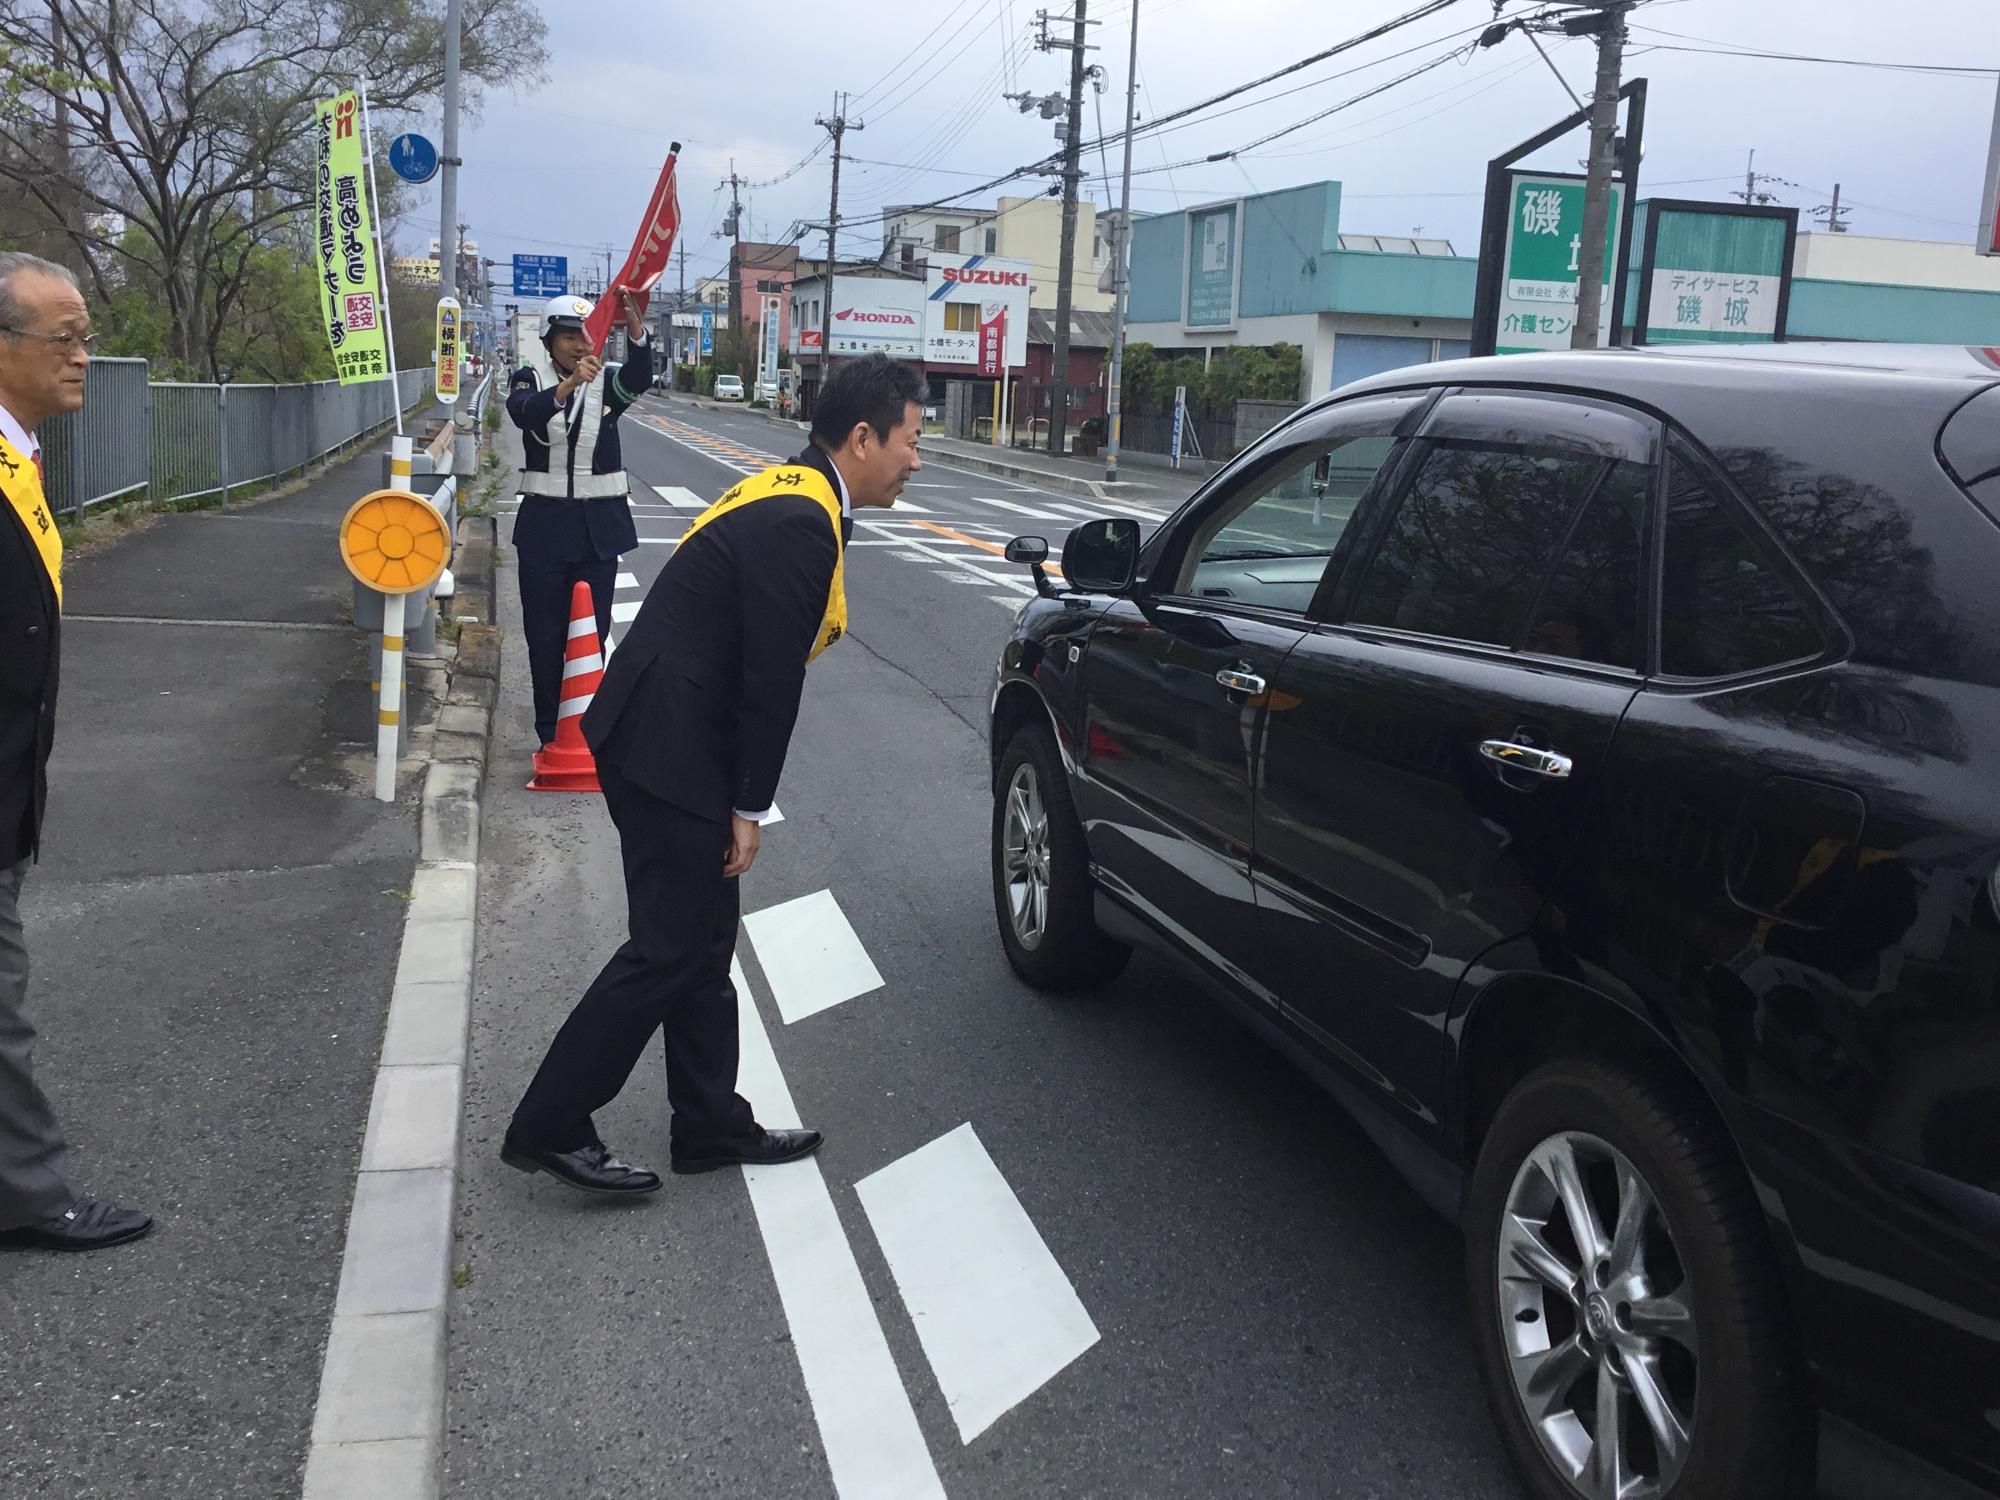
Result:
89,1225
764,1149
593,1169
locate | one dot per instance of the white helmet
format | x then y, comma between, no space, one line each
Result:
564,312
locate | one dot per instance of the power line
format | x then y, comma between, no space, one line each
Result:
868,93
1725,49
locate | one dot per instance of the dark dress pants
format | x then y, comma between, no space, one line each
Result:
545,591
672,975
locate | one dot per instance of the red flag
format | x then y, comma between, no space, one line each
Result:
650,252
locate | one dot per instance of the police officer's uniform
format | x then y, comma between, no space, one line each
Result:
575,519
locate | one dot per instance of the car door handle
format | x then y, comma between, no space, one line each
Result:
1238,680
1527,758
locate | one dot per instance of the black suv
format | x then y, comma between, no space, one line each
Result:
1588,767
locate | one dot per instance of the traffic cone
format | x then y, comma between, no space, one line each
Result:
566,764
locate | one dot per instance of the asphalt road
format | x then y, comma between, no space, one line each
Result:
1108,1245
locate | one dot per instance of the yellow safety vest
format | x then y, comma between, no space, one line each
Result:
794,479
22,483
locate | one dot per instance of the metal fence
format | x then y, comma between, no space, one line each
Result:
181,441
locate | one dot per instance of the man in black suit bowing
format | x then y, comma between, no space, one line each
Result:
690,727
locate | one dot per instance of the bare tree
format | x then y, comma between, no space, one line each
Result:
190,122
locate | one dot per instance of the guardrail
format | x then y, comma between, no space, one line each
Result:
182,441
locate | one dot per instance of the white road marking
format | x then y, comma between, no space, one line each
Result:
1011,602
1025,510
997,1317
911,505
811,955
624,611
680,496
659,541
950,577
873,1444
627,581
957,562
871,542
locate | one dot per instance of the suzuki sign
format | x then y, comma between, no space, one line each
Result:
877,315
992,290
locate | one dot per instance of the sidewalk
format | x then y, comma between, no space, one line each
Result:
214,928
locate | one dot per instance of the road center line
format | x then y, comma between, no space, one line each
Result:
874,1447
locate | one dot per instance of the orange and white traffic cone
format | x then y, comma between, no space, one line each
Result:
566,764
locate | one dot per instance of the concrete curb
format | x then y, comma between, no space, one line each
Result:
378,1430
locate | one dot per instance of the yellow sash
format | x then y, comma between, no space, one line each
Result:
795,479
22,484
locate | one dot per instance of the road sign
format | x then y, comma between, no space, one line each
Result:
541,275
413,158
449,349
1539,273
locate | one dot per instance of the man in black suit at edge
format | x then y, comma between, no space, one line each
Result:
690,727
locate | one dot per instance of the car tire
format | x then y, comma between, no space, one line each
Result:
1684,1322
1042,894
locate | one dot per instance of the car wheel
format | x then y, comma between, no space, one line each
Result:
1629,1319
1041,873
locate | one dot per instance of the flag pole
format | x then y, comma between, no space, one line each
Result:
381,261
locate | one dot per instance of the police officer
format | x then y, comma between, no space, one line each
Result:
575,519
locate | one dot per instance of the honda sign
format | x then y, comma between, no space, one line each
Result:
876,315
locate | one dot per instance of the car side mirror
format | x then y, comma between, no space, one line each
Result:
1102,557
1033,552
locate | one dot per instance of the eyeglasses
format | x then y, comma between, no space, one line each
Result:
64,341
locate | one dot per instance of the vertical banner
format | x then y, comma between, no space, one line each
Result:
993,339
344,238
707,329
647,262
449,349
768,372
1180,424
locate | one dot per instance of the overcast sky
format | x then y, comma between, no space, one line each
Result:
565,166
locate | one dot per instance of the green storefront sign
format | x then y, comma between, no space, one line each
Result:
1540,270
1211,261
1713,273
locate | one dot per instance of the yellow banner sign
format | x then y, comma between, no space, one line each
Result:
350,290
449,353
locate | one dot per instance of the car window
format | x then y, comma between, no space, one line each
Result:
1469,545
1590,606
1724,607
1270,543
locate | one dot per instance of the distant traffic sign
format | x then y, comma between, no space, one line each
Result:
541,275
413,158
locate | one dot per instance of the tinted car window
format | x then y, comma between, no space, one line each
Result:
1471,540
1270,543
1589,610
1724,607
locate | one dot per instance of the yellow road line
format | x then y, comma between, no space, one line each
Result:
972,541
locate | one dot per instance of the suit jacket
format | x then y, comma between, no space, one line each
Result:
30,655
698,702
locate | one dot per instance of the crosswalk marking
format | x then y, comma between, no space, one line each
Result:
997,1317
624,611
811,955
1023,510
681,497
627,581
873,1443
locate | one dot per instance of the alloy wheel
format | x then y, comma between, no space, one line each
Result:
1024,855
1597,1320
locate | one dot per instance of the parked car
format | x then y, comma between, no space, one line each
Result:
1584,765
729,387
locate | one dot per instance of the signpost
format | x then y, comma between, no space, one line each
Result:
1538,289
707,330
1180,424
767,365
448,349
1714,273
993,359
413,158
541,275
395,542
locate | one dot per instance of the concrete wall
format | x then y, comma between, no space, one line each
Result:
1291,240
1893,262
1030,229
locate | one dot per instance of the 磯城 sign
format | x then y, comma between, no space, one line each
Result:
1713,273
1541,266
344,241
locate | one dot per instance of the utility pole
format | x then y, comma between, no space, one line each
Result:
837,127
1833,213
732,225
1120,270
1597,179
1072,176
448,160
